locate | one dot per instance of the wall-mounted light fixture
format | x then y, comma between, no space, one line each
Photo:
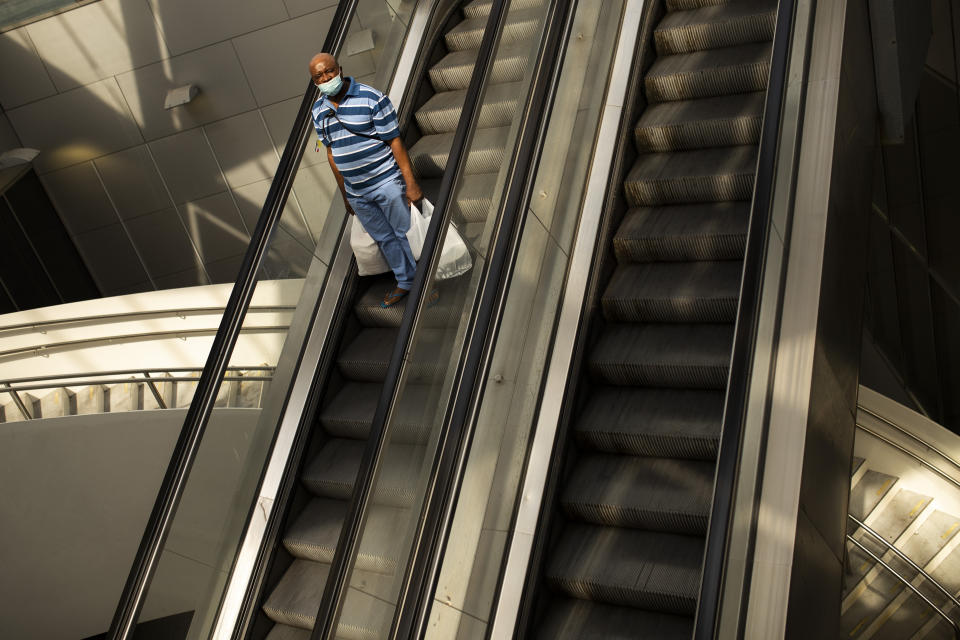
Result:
180,96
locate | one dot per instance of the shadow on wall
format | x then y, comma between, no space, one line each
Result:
157,198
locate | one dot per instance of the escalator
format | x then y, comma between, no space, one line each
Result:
319,503
624,541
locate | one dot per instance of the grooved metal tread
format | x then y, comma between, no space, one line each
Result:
472,198
285,632
664,355
684,5
694,124
715,231
441,113
703,74
430,153
713,27
679,423
643,569
367,356
350,413
456,68
654,494
686,177
333,471
569,619
481,8
521,25
673,292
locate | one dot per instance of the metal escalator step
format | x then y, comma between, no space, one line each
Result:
285,632
333,471
695,124
472,198
315,532
713,27
429,154
702,74
350,413
716,231
683,177
441,113
867,493
571,618
673,292
370,314
296,598
654,494
521,26
456,68
656,571
684,5
652,422
481,8
664,355
855,464
366,358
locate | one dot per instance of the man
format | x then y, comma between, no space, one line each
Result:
358,126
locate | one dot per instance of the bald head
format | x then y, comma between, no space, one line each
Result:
323,67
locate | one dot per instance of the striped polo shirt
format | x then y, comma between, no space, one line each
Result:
364,163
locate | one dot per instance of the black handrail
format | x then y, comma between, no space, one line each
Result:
423,569
191,435
745,338
351,531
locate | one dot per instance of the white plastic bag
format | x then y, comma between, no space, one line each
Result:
455,257
370,260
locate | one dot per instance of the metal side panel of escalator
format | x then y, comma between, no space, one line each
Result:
621,545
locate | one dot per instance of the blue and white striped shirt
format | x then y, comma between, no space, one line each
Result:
365,164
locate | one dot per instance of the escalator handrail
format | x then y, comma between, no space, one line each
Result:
908,584
747,329
423,569
347,548
191,435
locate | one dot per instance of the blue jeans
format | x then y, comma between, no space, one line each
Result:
386,216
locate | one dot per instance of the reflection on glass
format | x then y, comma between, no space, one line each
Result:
209,522
437,345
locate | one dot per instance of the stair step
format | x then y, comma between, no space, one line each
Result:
456,68
521,26
867,493
685,177
652,422
367,356
716,231
659,572
696,124
575,619
350,413
713,27
481,8
654,494
371,315
664,355
441,113
333,471
285,632
686,5
430,153
702,74
673,292
472,198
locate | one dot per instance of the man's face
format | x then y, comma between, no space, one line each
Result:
324,70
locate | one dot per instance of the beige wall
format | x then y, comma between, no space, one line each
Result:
154,198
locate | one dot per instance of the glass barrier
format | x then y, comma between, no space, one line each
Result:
466,590
209,522
426,387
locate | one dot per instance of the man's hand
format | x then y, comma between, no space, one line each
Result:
414,193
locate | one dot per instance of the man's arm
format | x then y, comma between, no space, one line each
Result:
336,173
403,161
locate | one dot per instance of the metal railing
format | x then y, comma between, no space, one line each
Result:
903,579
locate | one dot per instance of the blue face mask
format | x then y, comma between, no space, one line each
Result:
332,86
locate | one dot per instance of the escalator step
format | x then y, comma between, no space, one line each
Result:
366,358
684,5
706,175
472,198
296,598
350,413
673,292
285,632
370,314
716,231
645,569
441,113
569,619
713,27
456,68
521,26
430,153
664,355
703,74
652,422
654,494
481,8
333,472
695,124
